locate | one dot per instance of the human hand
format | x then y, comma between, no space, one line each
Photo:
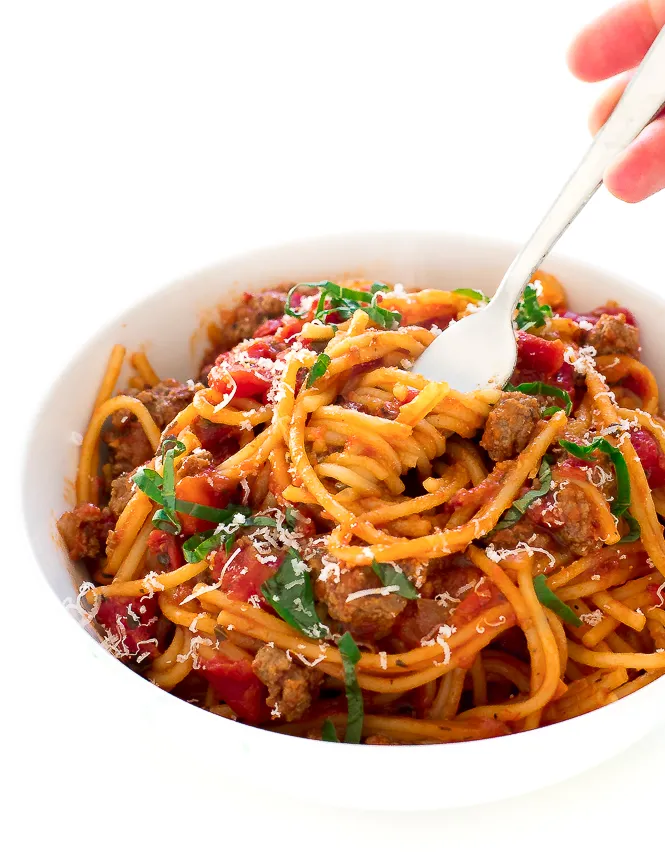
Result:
614,44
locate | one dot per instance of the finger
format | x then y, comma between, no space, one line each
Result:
616,41
639,171
607,102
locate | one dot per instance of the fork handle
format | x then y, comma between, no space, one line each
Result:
643,99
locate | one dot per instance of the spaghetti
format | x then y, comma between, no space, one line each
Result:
316,540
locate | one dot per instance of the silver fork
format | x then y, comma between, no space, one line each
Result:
480,351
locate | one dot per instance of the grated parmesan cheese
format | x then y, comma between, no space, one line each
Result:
592,618
384,591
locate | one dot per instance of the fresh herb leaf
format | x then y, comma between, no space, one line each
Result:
318,369
548,598
204,512
166,521
547,390
476,295
585,452
635,531
291,518
262,522
354,697
319,285
290,594
220,633
199,546
328,732
518,508
530,313
389,575
150,483
345,302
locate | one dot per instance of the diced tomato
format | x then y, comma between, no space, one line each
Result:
133,619
537,354
164,553
651,456
483,596
220,439
206,488
268,327
248,383
246,573
564,378
290,329
265,348
235,683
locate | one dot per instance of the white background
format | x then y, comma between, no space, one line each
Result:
144,140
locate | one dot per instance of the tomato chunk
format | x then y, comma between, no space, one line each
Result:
132,620
651,456
220,439
205,488
248,383
164,553
537,354
245,573
235,682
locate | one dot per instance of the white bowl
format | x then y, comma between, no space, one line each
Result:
354,776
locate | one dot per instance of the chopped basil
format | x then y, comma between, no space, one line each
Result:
548,390
585,452
476,295
390,575
290,594
166,521
518,508
291,518
220,633
354,697
345,302
199,546
635,531
161,488
548,598
150,483
328,732
318,369
530,313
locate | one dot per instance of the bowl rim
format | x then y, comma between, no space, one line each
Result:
612,711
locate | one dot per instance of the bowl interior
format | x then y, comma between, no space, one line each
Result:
170,325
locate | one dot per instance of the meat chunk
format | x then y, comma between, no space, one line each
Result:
122,489
249,316
510,425
291,687
127,443
194,463
167,399
128,446
84,530
524,531
570,515
612,334
368,618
